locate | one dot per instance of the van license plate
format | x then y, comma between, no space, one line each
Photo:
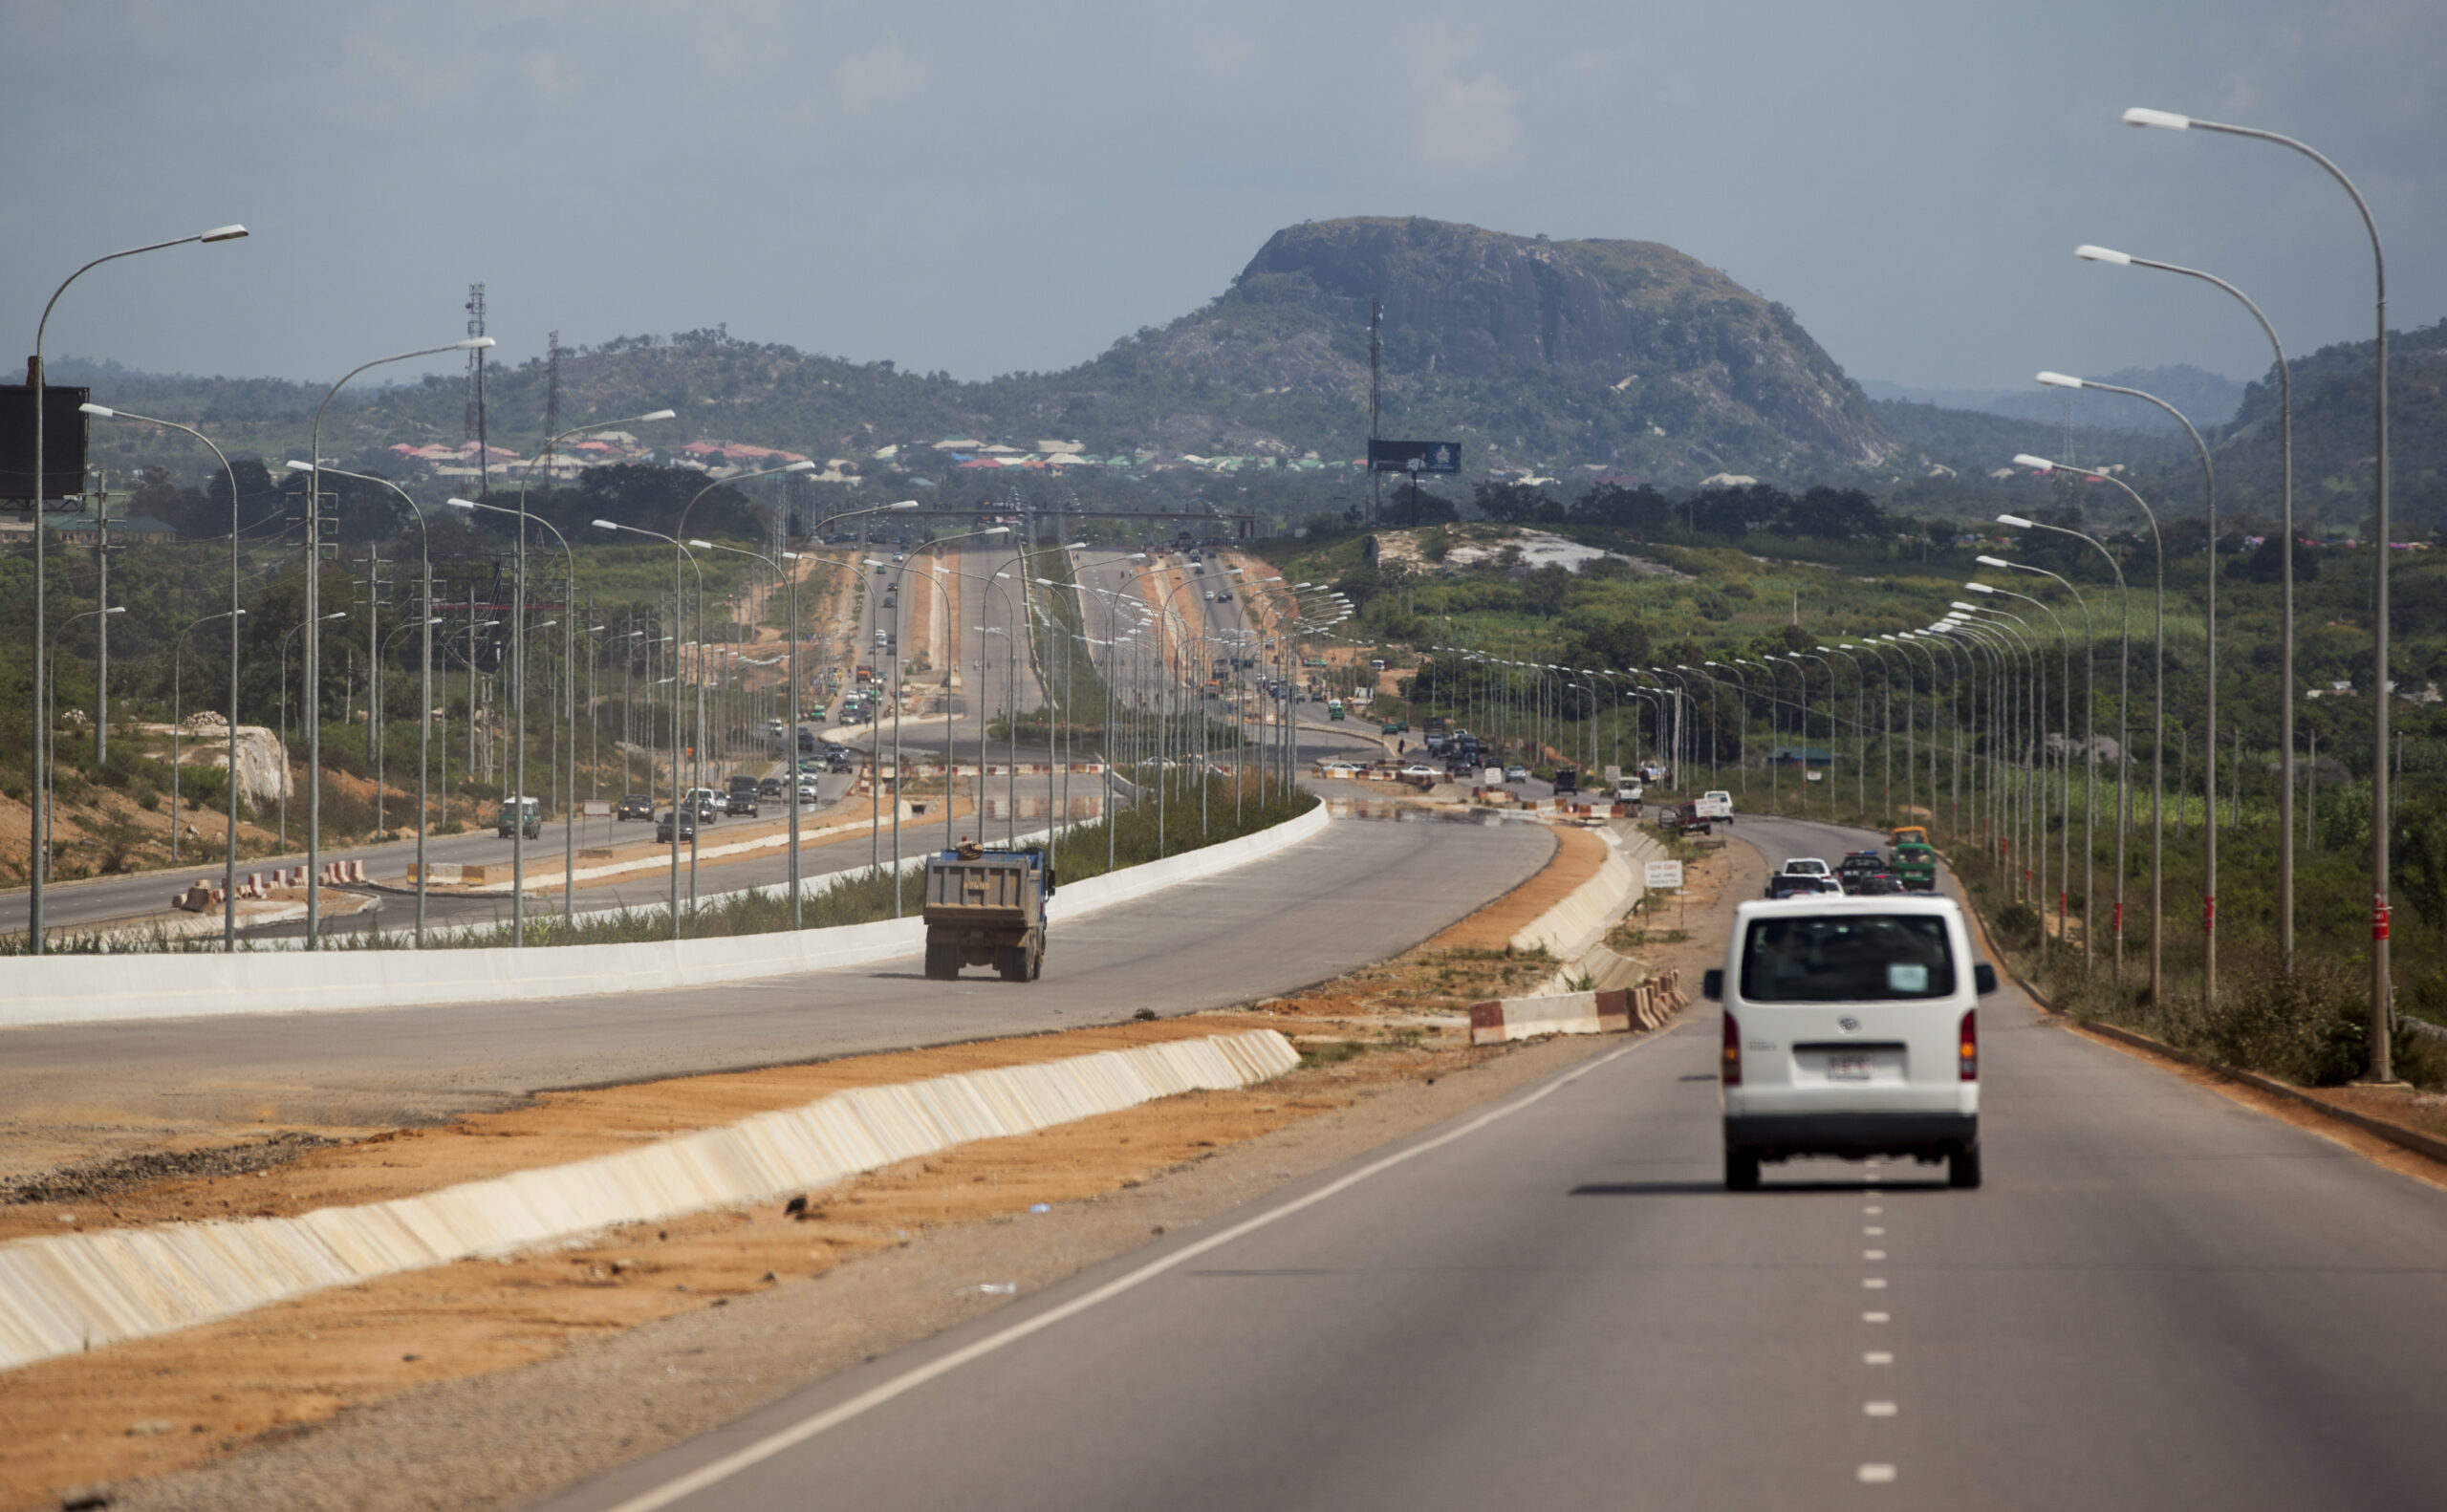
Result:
1848,1067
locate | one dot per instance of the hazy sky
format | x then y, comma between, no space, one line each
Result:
991,187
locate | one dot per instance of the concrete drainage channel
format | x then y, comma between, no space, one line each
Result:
66,1293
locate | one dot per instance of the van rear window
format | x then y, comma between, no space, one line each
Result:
1850,958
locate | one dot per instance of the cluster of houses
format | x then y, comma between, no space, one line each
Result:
724,458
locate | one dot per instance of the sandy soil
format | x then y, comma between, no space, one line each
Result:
207,1395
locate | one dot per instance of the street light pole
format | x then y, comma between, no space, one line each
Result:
2209,768
2285,581
37,854
2382,810
230,862
311,697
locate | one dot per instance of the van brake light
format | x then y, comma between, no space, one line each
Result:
1732,1058
1967,1047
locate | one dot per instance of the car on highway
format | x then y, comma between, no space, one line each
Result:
1879,884
636,806
1792,884
527,814
1516,773
662,835
704,803
769,788
1851,1029
1339,768
1806,866
1421,771
1858,864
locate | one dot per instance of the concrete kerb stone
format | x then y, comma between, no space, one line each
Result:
84,989
60,1294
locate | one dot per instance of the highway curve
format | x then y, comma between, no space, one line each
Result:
1357,893
2159,1300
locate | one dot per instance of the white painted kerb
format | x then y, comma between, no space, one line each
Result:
63,1293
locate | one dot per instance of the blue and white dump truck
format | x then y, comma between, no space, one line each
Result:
986,907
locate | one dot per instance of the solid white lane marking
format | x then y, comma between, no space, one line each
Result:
1873,1317
1872,1254
1878,1409
1875,1475
1873,1282
866,1401
1877,1357
1873,1231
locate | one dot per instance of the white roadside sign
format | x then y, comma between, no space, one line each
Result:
1664,877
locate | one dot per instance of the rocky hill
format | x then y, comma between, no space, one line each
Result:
1629,354
1538,355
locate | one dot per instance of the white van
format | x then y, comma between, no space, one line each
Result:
1850,1030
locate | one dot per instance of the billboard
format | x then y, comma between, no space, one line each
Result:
63,450
1414,456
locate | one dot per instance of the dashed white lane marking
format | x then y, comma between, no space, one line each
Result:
1878,1409
1877,1357
1872,1254
1874,1212
1875,1475
1873,1317
1873,1282
1874,1230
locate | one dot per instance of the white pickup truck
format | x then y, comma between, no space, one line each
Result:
1717,805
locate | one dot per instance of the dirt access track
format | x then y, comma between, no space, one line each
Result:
424,1389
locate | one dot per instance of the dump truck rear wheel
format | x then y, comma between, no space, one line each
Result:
1013,961
942,963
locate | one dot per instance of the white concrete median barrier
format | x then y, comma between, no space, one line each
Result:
86,990
60,1294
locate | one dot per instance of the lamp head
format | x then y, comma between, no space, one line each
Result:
2023,458
1992,561
2014,520
702,545
660,413
1960,604
116,609
223,234
472,344
800,466
2163,119
99,410
600,524
2103,254
2060,380
905,504
1979,588
471,504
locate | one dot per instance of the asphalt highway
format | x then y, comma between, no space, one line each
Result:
1356,893
2159,1300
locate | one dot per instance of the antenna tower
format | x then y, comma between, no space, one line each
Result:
1376,328
476,393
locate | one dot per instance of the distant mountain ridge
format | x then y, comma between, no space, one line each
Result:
1534,354
2207,399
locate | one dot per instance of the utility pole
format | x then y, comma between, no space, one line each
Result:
102,595
553,384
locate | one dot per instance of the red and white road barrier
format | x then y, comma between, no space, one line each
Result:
1647,1005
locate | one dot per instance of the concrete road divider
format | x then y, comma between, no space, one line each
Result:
80,990
63,1293
1647,1005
